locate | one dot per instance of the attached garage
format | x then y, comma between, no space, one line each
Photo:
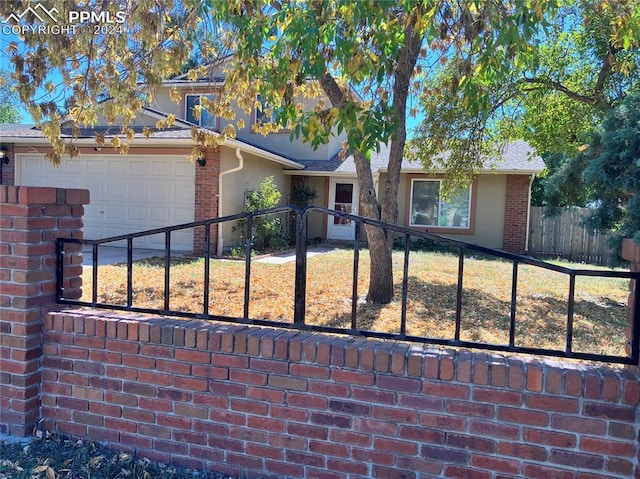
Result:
129,193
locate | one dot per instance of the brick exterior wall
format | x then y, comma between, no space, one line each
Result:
516,211
275,403
9,169
262,402
31,218
631,253
206,199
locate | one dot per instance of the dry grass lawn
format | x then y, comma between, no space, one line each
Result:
600,303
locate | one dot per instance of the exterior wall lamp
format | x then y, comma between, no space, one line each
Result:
202,161
4,160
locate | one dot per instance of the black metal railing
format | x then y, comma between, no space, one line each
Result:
407,238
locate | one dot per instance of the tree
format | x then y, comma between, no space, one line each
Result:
366,58
611,171
586,64
125,65
8,102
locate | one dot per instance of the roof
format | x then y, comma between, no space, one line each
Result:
517,157
177,135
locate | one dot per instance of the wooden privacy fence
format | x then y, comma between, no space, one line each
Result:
565,236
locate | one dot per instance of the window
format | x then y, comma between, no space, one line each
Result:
205,119
266,114
428,208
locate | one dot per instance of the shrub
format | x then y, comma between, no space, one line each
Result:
266,232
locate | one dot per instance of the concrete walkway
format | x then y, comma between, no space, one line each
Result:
116,254
290,256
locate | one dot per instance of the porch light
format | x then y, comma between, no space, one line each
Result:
4,160
202,161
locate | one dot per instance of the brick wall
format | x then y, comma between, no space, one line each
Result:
30,220
206,199
516,210
277,403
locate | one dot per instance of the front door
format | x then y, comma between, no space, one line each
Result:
343,196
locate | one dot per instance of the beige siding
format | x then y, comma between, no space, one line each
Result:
317,222
279,143
489,209
162,102
235,184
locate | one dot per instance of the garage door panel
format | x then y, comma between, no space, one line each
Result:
92,231
115,191
182,194
115,167
127,194
136,213
161,168
114,212
179,237
137,191
138,168
183,169
96,168
160,191
93,213
182,215
73,167
159,214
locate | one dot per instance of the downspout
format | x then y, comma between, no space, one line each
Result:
224,173
526,245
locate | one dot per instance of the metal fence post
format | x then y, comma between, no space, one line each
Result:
300,295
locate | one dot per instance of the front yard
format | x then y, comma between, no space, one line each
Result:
600,303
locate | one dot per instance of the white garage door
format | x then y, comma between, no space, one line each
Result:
128,193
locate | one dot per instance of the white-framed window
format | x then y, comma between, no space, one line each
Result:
429,209
192,101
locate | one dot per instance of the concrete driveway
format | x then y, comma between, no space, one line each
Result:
115,254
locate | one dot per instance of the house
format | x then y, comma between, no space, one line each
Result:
156,184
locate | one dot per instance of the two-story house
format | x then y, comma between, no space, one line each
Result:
156,185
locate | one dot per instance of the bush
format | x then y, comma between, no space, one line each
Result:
266,232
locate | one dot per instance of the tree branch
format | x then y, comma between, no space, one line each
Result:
559,87
605,70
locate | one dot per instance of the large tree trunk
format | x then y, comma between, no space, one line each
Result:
381,241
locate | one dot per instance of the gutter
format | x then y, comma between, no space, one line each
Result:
224,173
526,241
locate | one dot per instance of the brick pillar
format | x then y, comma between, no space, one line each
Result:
206,199
31,218
514,236
631,253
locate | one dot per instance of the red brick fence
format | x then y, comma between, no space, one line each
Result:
280,403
